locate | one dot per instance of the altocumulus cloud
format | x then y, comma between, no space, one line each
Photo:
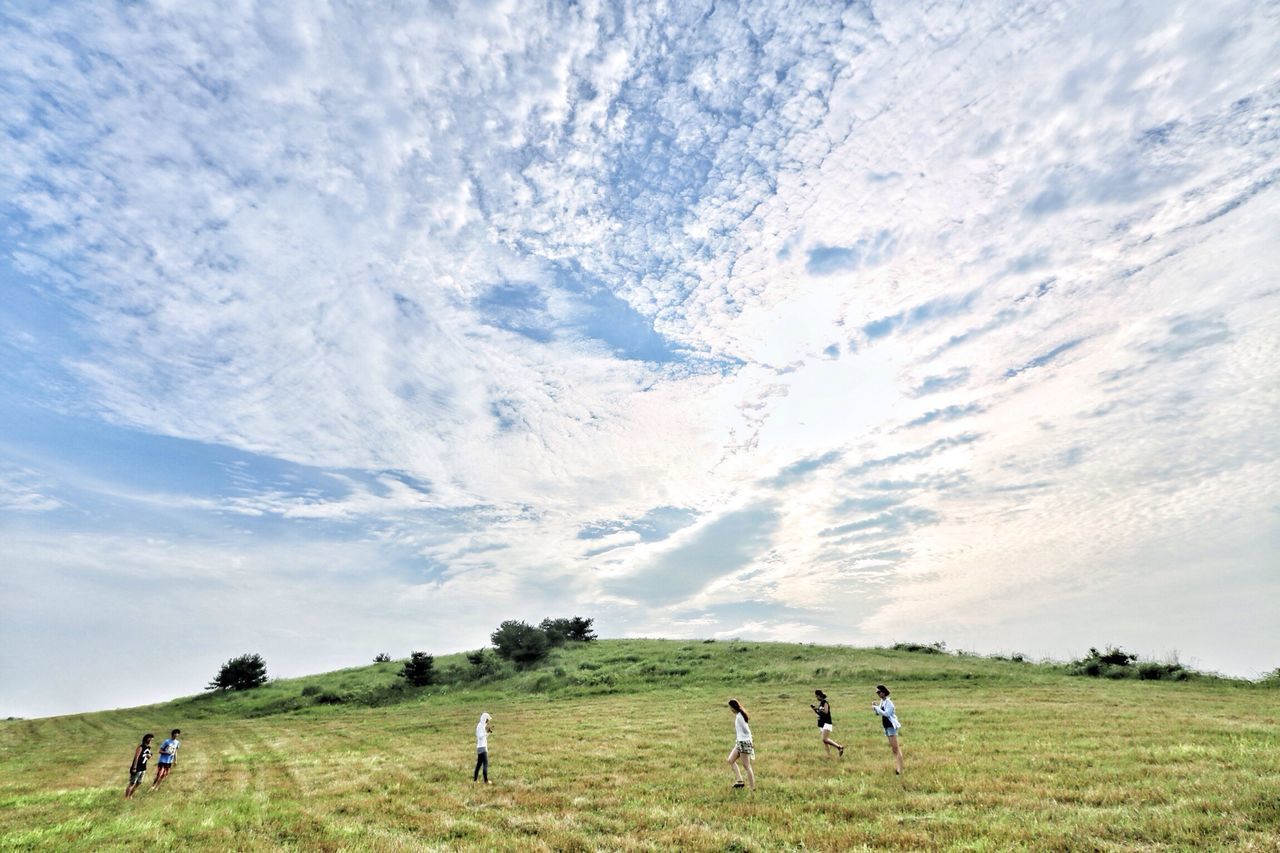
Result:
517,309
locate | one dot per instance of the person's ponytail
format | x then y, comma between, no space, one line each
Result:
737,706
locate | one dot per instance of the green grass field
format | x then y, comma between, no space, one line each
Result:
620,745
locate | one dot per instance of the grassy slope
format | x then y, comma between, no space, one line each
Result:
620,744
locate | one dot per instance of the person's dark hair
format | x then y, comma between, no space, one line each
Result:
820,695
880,688
175,732
737,706
148,736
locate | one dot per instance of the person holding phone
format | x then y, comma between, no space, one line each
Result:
483,729
825,725
889,719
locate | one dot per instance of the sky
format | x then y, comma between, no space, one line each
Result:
328,329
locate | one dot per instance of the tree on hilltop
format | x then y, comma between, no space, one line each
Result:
580,630
520,642
240,673
419,669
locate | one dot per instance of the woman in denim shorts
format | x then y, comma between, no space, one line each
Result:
889,719
743,748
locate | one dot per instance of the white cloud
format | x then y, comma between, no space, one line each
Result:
429,253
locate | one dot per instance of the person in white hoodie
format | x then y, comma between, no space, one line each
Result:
743,748
889,719
483,728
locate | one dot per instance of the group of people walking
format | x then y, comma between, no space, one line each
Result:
142,755
740,757
744,750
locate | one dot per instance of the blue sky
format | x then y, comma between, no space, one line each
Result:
329,331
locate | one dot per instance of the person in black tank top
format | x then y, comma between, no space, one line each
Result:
138,767
823,710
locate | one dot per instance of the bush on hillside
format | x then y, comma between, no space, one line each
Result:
1271,679
580,630
557,631
382,657
922,648
1153,671
240,673
419,669
1114,662
483,663
520,643
567,630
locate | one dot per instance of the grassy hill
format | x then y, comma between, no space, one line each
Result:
620,744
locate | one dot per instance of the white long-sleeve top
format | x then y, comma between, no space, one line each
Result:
741,731
885,709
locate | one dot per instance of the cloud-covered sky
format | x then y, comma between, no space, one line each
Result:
332,329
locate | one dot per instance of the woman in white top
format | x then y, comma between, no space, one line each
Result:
482,747
889,719
743,747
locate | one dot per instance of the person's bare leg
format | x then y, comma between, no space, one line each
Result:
751,773
828,742
732,761
897,755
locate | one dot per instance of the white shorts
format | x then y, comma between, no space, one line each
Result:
826,727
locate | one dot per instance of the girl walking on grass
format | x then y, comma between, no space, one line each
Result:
889,719
138,767
482,747
823,710
743,748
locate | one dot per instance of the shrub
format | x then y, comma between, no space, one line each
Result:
419,669
520,643
329,698
557,631
1152,671
1112,656
922,648
483,663
240,673
1116,663
311,690
565,630
1271,679
580,630
382,657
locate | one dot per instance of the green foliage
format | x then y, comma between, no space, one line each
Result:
1153,671
922,648
240,673
520,643
580,630
1116,663
382,657
419,669
557,631
575,629
1271,679
484,663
